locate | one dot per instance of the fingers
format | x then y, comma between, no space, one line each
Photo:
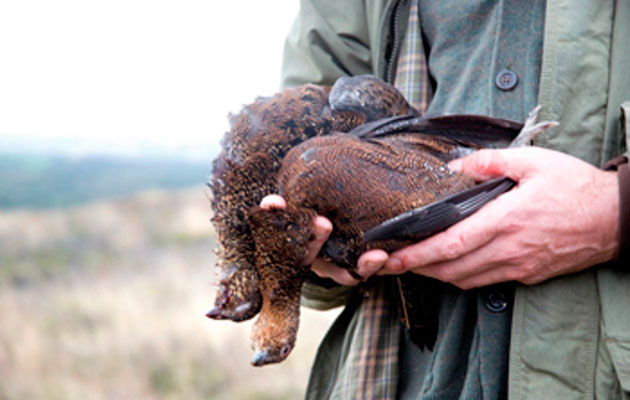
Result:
513,163
460,239
477,278
488,277
371,262
368,264
484,266
326,269
502,260
272,201
482,164
322,227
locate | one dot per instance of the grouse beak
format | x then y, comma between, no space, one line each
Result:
260,358
215,313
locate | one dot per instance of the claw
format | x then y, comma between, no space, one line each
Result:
235,306
531,129
240,313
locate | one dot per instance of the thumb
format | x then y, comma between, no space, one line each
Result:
487,164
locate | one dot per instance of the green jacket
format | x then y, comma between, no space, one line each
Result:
571,335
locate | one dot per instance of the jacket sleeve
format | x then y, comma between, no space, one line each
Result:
324,297
329,39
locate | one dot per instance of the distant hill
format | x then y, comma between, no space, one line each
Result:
50,181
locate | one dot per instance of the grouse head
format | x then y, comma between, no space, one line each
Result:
281,236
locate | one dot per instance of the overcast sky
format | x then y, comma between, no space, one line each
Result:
149,71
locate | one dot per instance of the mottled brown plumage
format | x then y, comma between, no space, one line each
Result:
357,184
245,171
357,180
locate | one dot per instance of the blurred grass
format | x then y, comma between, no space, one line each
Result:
108,300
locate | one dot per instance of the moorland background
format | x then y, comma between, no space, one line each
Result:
110,115
106,271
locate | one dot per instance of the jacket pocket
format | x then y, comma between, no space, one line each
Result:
620,355
614,292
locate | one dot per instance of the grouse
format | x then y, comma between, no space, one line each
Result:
360,157
252,152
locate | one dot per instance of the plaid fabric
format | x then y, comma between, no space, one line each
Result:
412,73
371,367
370,370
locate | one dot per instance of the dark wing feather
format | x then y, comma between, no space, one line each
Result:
466,130
377,128
423,222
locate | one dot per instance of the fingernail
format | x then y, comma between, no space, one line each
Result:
371,265
272,201
455,165
394,264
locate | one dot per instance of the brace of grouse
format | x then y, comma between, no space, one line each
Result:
294,144
252,152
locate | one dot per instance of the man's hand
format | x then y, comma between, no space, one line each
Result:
322,227
562,217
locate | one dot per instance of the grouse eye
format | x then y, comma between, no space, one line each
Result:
285,350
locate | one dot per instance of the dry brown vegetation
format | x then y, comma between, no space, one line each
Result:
107,301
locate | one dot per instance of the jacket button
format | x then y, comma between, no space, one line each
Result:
496,302
506,80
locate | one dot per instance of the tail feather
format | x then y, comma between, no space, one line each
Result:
418,300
